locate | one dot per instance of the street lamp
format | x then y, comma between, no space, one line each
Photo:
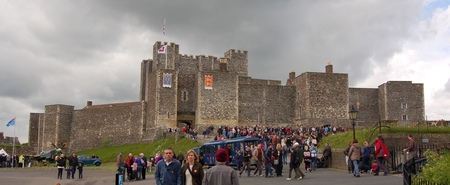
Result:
353,113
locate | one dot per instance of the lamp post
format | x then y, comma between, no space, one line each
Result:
353,113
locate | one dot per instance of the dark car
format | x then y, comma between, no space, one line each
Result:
88,160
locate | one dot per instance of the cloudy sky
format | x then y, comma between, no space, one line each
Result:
70,52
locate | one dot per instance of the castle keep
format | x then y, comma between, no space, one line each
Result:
178,90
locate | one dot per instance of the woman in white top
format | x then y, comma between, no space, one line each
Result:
192,171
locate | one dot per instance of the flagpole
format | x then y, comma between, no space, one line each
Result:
164,38
14,144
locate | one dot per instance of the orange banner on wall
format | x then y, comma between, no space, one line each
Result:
209,82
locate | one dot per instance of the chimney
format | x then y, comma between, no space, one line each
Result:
223,64
292,74
89,103
329,68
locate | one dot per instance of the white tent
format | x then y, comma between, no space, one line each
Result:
3,152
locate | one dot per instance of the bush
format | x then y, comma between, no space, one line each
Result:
437,168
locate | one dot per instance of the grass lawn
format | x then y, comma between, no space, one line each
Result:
108,154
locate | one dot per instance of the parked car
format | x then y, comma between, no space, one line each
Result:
88,160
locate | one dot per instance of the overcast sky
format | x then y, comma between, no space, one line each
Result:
70,52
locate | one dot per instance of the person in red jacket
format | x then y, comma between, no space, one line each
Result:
129,161
379,142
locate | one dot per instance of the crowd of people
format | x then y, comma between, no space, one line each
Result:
20,161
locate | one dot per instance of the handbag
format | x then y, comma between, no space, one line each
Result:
276,162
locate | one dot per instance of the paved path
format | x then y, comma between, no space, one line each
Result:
38,176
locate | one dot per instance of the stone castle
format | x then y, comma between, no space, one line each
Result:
176,90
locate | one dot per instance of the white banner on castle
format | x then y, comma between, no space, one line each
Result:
209,82
162,50
167,80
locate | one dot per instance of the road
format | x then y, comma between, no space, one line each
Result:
46,176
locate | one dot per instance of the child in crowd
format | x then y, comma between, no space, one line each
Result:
68,170
80,170
134,168
374,167
149,166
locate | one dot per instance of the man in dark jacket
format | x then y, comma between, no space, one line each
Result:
73,163
239,159
326,155
247,156
180,157
299,160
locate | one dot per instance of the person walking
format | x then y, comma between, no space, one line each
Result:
411,149
300,156
365,164
258,156
380,154
239,160
354,154
168,171
73,163
61,165
247,157
221,173
314,151
278,160
292,163
192,171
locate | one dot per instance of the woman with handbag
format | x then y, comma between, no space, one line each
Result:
278,162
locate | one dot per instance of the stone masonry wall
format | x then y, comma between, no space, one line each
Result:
365,101
57,122
219,105
33,131
113,125
327,95
272,103
238,61
403,92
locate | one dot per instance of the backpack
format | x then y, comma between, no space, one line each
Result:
384,151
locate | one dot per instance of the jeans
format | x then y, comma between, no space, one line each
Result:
74,169
355,167
139,173
380,165
313,163
269,169
285,158
258,167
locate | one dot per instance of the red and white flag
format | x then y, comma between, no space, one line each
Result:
162,50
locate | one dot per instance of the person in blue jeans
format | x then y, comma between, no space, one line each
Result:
314,152
354,154
140,166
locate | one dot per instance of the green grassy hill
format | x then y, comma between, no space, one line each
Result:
109,153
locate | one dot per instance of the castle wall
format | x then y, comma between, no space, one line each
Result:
58,121
146,68
114,125
36,119
273,104
365,101
395,93
159,60
167,100
219,105
323,95
238,61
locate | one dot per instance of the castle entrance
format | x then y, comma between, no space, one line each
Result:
186,119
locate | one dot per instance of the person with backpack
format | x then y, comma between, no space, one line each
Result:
381,153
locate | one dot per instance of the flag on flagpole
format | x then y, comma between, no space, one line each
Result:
162,50
164,27
12,122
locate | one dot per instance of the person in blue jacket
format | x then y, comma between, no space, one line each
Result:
168,171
